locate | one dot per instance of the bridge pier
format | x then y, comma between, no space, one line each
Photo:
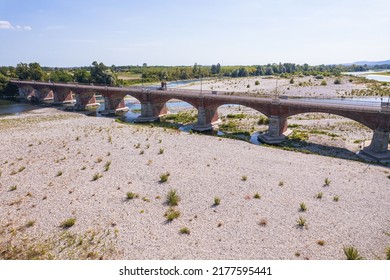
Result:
114,104
151,112
277,130
62,96
378,149
86,101
205,119
44,94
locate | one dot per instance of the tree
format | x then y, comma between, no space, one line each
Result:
82,76
101,74
22,71
269,71
61,76
36,72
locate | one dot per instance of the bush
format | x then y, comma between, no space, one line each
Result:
323,83
173,198
263,120
291,80
257,83
352,253
217,201
164,177
68,223
337,82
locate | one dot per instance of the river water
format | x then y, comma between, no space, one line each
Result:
370,75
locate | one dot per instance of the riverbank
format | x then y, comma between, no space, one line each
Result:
71,166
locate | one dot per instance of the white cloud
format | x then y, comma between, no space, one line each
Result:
7,25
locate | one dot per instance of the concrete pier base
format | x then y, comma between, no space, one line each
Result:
274,140
368,155
142,119
202,127
115,112
378,149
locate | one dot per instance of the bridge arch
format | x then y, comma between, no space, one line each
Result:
368,121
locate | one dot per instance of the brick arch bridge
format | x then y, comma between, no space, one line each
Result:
153,104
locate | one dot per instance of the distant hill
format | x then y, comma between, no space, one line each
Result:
369,63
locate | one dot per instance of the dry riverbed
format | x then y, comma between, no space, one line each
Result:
78,187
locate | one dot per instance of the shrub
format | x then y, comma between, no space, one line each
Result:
302,207
184,230
173,198
257,83
164,177
388,253
244,178
327,182
319,195
257,196
281,183
301,222
161,151
323,83
68,223
13,188
336,198
96,176
107,165
321,242
172,214
217,200
352,253
131,195
263,120
30,223
337,81
59,173
291,80
21,168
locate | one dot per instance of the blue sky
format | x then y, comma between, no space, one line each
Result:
240,32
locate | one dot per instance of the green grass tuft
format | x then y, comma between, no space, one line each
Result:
352,253
68,223
173,198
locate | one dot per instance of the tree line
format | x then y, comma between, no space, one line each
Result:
98,73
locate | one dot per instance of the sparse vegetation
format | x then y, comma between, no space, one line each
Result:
301,222
68,223
319,195
336,198
302,207
13,188
30,223
97,176
172,198
184,230
327,182
99,159
131,195
107,165
257,196
21,168
161,151
352,253
59,173
172,214
321,242
217,201
281,183
244,178
164,177
388,253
